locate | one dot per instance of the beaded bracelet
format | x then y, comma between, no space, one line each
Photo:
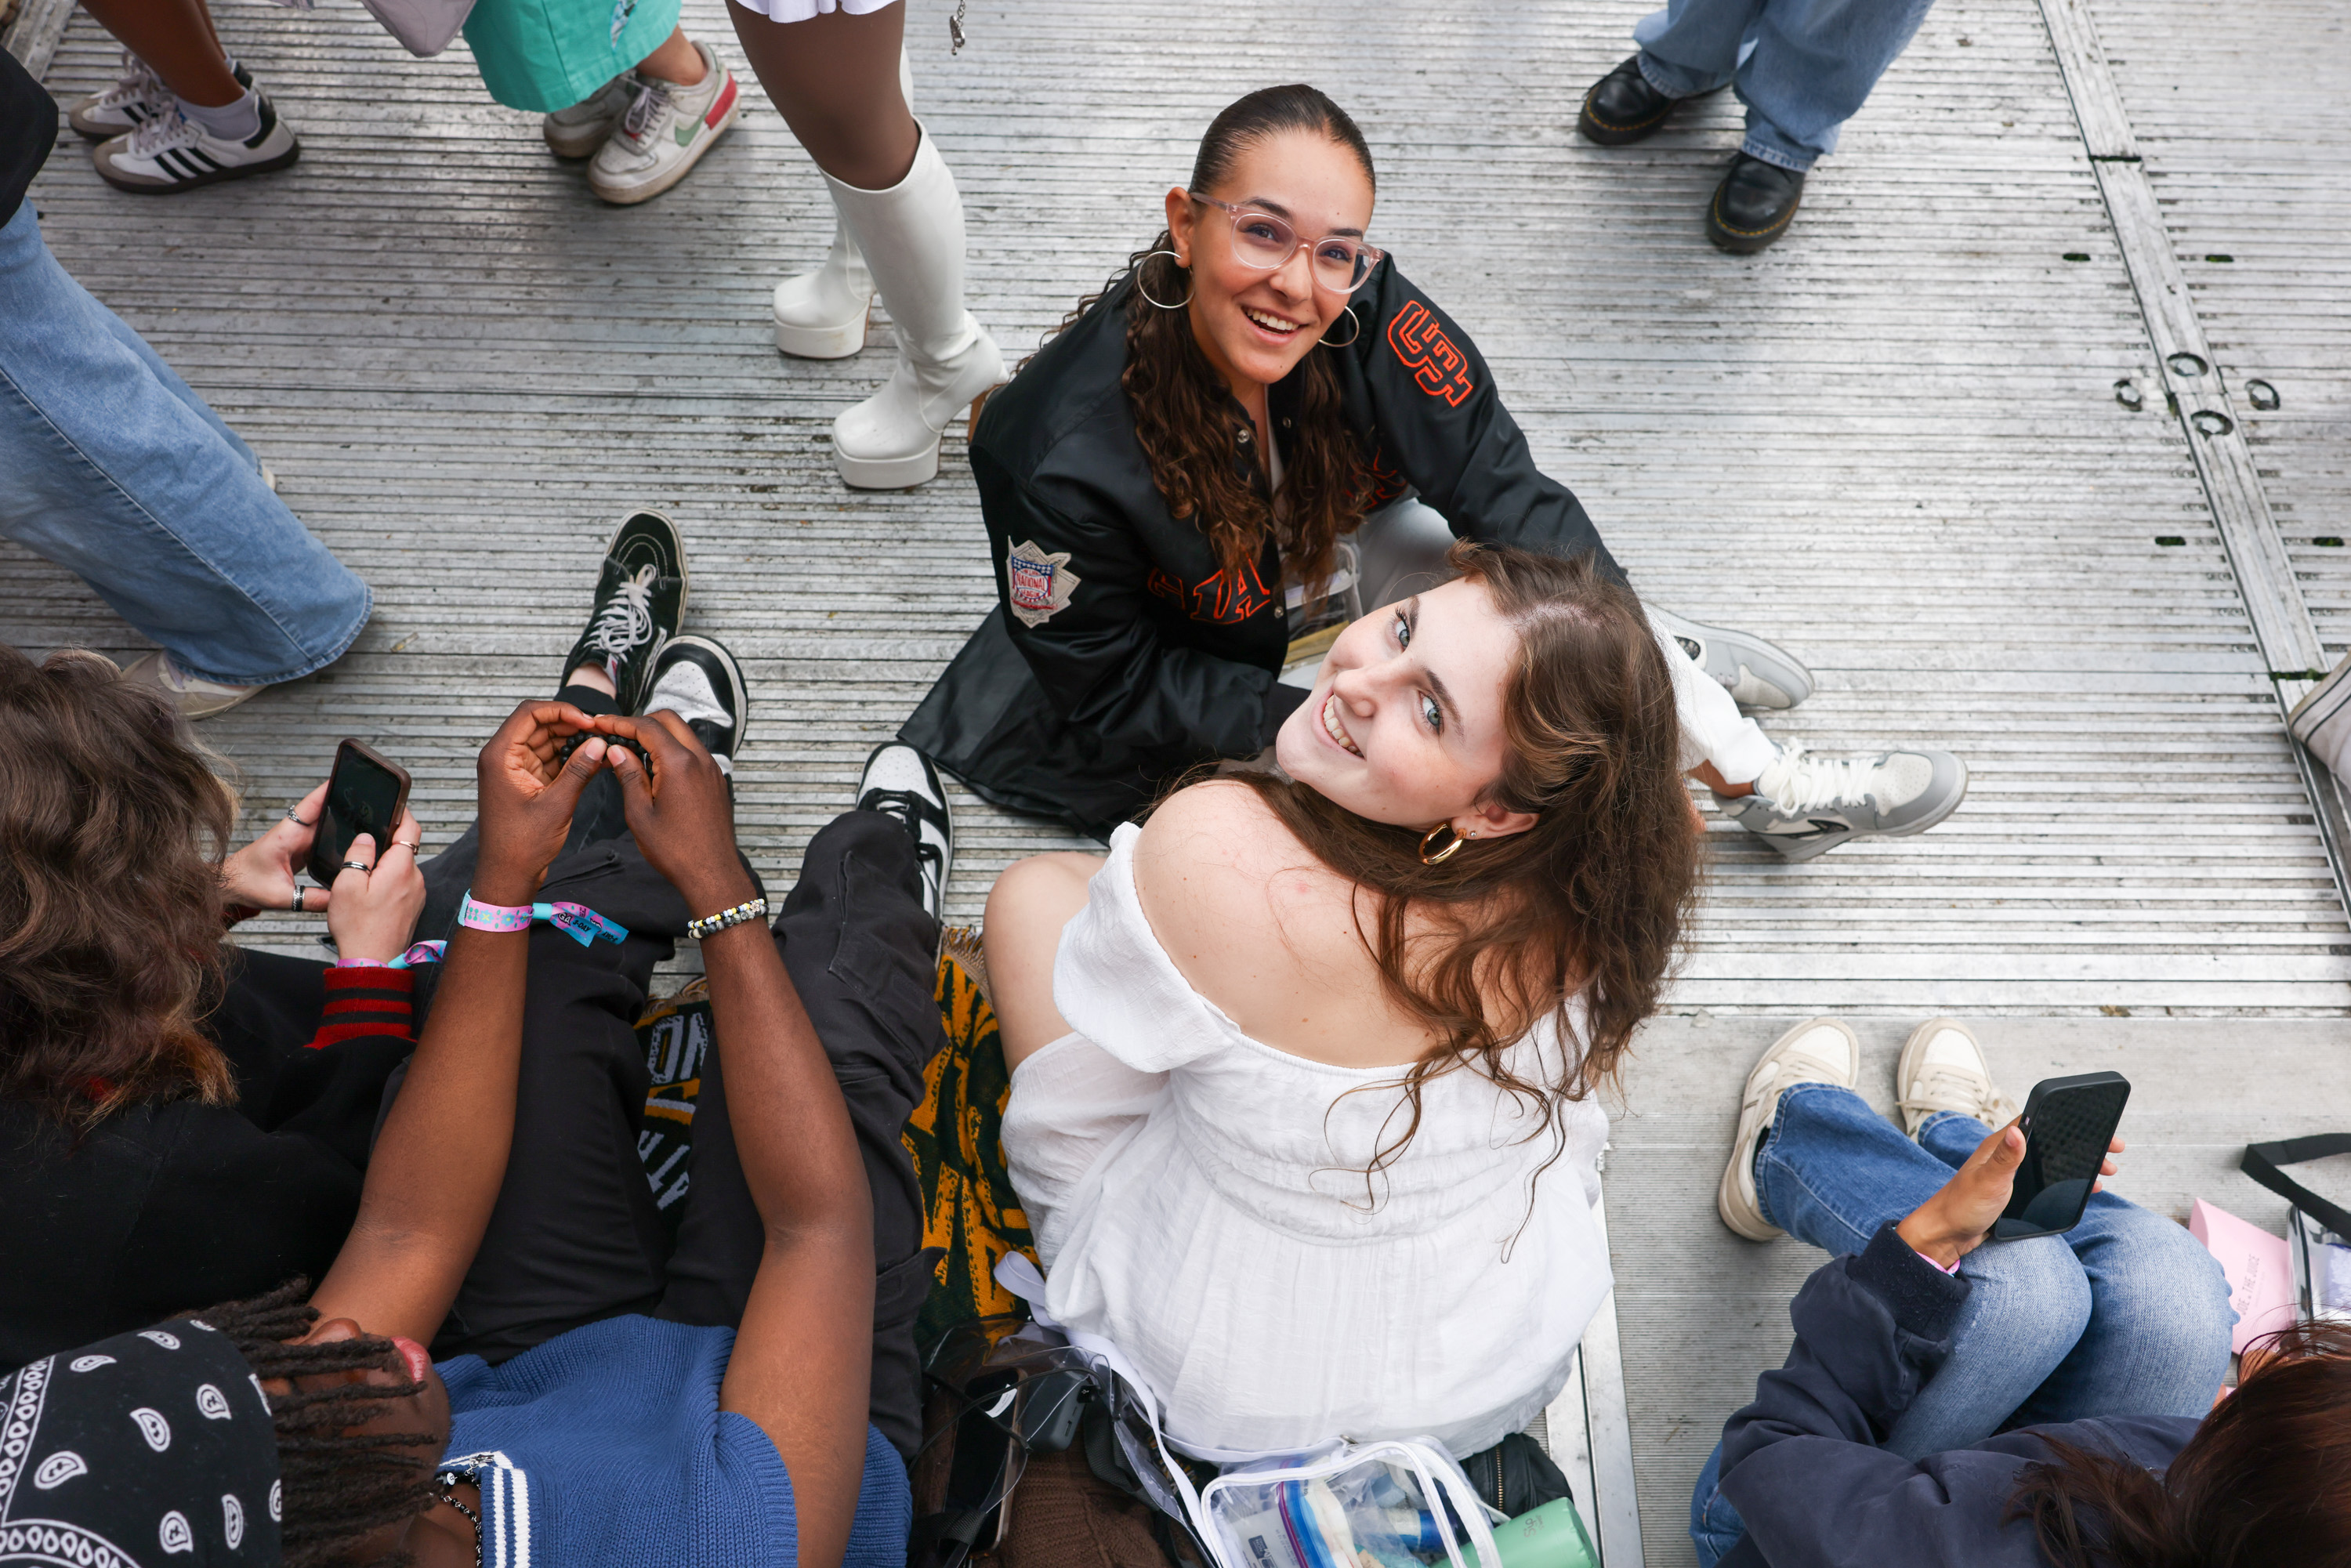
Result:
576,921
711,925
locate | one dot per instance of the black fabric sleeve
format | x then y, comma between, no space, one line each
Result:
1100,656
28,128
1429,396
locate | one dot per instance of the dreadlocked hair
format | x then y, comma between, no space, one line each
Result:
339,1486
1180,406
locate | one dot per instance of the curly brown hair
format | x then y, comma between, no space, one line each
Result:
1586,905
1182,408
113,825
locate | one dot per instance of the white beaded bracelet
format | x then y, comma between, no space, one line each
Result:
711,925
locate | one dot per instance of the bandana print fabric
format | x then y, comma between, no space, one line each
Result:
152,1450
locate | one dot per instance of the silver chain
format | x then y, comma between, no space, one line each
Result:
955,27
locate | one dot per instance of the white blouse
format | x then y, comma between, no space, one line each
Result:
1199,1199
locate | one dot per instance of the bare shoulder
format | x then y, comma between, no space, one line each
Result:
1234,898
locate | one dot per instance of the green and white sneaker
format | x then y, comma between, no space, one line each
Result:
640,603
577,132
169,152
1822,1051
665,133
1804,805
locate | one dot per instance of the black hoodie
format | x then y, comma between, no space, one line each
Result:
28,128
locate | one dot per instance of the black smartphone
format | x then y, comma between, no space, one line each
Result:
365,794
2067,1125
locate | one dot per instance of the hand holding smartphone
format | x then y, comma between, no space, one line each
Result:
366,793
2068,1124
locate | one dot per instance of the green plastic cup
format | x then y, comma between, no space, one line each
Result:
1550,1537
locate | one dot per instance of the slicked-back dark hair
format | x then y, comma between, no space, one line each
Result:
339,1486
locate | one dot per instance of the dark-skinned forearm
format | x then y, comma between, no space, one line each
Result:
435,1171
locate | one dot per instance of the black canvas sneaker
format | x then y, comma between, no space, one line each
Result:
698,680
900,782
640,603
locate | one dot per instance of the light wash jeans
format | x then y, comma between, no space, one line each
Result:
1401,550
2125,1314
111,467
1802,66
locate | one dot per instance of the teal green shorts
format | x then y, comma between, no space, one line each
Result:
550,54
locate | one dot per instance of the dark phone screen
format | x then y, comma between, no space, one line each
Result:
363,796
2069,1122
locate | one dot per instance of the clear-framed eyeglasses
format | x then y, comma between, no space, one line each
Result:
1262,240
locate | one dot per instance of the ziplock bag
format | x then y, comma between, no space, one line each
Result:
2317,1233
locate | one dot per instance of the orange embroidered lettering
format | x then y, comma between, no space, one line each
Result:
1439,369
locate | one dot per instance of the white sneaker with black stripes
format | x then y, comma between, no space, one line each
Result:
900,782
169,152
131,100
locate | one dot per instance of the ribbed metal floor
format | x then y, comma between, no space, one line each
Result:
1891,443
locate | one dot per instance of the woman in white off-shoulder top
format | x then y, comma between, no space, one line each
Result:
1301,1105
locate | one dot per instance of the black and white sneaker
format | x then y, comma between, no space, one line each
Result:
698,680
169,152
640,603
131,100
1755,673
900,782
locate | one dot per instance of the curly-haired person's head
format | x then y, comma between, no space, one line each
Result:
112,829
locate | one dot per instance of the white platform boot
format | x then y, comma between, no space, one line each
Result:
820,315
912,238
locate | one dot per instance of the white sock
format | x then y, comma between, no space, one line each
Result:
235,121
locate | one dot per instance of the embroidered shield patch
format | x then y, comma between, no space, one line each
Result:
1039,584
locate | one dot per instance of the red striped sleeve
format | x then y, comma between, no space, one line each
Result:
365,999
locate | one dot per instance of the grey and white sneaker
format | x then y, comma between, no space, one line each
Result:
1822,1051
134,98
191,694
901,782
1943,1069
1756,674
640,602
2322,720
698,680
169,152
577,132
1804,805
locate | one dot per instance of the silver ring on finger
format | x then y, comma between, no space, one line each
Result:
301,905
358,865
299,820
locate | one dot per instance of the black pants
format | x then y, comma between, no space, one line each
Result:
575,1236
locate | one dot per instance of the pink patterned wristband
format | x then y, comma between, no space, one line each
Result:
494,916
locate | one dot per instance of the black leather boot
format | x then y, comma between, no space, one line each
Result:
1623,108
1752,206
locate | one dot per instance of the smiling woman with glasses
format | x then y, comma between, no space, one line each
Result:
1258,431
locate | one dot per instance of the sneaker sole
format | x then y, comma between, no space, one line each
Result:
1730,1203
629,195
578,143
1907,1062
285,160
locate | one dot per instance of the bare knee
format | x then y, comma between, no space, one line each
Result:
1027,909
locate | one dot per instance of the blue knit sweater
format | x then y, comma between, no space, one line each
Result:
605,1447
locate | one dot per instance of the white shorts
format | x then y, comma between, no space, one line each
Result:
802,10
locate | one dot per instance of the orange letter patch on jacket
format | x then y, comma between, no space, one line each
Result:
1441,369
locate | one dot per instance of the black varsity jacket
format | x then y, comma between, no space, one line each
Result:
1118,655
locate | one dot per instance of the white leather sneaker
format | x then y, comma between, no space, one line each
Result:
1943,1069
1820,1051
191,694
577,132
912,238
665,133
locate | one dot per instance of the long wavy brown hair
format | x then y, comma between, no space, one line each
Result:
2265,1483
1183,410
112,829
1588,904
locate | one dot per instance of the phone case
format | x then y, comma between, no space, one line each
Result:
2068,1122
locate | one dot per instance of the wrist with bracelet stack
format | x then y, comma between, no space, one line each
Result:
708,925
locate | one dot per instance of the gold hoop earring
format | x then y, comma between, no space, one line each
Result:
1139,289
1343,342
1447,852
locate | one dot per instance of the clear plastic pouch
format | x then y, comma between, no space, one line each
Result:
1401,1503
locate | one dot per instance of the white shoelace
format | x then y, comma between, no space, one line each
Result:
163,131
626,622
1798,781
138,82
1943,1088
644,116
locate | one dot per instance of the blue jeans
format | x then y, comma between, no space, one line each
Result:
111,467
2125,1314
1802,66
